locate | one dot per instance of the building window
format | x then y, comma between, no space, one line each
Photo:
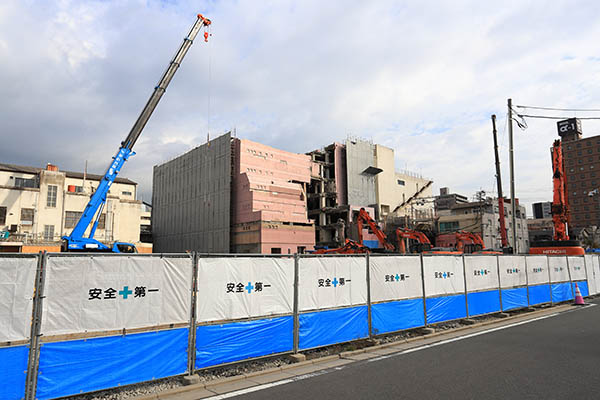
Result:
579,161
401,182
71,218
448,226
27,216
275,250
2,215
49,232
591,167
572,170
583,185
126,193
586,208
51,199
569,147
102,221
578,145
25,183
578,152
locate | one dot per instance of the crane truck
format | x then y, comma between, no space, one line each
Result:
77,241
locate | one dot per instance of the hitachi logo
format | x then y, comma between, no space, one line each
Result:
552,251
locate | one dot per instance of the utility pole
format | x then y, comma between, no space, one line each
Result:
513,206
502,221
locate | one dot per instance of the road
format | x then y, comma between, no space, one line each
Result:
557,357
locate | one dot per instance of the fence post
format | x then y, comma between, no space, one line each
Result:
423,286
587,278
296,316
527,281
465,278
33,361
499,282
193,318
570,279
549,280
369,317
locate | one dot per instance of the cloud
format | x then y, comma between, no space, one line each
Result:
423,80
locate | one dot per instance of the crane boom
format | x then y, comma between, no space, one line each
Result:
76,240
503,235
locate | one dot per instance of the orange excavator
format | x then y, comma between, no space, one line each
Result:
471,243
351,247
561,245
423,243
364,217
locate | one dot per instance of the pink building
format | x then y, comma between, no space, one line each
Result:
269,213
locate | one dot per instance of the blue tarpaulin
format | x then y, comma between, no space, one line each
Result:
13,371
514,298
539,294
561,292
323,328
483,302
397,315
219,344
445,308
81,366
583,288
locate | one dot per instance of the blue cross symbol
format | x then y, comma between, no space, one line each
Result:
397,277
125,292
249,287
444,275
335,282
482,272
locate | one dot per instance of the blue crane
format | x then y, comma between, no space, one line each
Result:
77,241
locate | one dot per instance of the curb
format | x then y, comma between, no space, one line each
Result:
207,385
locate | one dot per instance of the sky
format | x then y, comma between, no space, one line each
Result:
420,77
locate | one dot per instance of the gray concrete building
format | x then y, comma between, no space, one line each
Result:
191,203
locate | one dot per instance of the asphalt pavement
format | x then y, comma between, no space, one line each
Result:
551,358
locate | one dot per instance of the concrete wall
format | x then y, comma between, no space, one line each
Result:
361,186
191,200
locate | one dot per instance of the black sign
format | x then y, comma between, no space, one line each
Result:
569,127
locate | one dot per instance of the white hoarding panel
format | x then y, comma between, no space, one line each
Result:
443,275
558,269
395,278
101,293
244,287
17,279
537,270
577,268
512,271
589,267
597,272
327,282
481,273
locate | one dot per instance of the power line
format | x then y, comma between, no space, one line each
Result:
550,117
560,109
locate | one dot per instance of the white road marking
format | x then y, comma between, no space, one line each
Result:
407,351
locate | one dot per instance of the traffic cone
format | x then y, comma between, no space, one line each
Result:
578,298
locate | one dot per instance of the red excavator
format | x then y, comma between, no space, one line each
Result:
561,245
471,243
364,217
351,247
423,243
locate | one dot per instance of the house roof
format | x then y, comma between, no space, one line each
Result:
68,174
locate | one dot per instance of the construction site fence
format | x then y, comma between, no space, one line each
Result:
78,323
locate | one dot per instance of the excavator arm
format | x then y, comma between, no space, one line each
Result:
405,233
363,216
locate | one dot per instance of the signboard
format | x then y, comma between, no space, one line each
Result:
327,282
395,278
577,268
17,279
102,293
558,269
481,273
569,126
537,270
244,287
443,275
512,271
